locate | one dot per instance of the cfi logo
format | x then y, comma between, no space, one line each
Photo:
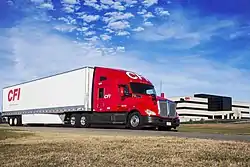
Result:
133,75
14,94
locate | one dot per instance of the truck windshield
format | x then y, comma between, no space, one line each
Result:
142,88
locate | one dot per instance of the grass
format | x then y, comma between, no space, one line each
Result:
6,133
240,129
45,149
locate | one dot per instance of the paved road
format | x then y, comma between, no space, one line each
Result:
109,131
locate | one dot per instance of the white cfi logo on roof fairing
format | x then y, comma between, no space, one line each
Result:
133,75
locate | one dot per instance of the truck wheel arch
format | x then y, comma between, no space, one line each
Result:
128,119
131,112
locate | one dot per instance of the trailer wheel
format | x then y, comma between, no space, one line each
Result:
19,120
134,120
74,120
15,121
10,121
85,121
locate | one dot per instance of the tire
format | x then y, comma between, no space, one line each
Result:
15,121
84,120
134,121
19,120
75,120
10,120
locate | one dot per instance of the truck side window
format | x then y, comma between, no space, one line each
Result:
126,90
101,92
102,78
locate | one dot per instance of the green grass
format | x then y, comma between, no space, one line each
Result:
239,129
6,133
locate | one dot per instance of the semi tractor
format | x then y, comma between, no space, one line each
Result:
89,96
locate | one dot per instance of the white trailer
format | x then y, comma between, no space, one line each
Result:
46,99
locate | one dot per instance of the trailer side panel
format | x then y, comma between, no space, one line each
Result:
67,91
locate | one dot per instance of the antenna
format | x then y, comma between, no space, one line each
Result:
161,86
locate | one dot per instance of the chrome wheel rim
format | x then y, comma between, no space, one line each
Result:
73,120
83,120
15,121
134,121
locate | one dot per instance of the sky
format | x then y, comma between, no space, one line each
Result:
189,46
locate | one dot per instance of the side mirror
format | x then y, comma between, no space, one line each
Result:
124,92
121,91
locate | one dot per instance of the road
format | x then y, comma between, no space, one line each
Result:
122,132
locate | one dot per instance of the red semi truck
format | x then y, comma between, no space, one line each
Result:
88,96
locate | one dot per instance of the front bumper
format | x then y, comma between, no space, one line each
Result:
159,121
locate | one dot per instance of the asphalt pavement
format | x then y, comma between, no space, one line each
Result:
125,132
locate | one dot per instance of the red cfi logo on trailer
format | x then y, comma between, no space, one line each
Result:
14,94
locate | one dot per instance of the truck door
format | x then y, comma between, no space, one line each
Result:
104,97
100,101
123,94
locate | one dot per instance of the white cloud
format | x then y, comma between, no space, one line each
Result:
37,1
148,15
148,23
89,18
92,3
82,29
10,2
65,28
123,33
180,74
118,6
48,6
102,6
138,29
109,30
68,20
185,31
105,37
114,16
71,2
142,12
119,25
70,6
129,3
107,2
89,33
161,12
93,39
149,3
120,49
68,9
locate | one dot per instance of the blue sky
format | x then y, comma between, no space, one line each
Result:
191,46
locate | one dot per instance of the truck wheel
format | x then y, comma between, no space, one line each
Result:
85,121
134,120
19,120
15,121
10,121
75,120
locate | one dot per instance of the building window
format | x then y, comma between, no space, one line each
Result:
101,92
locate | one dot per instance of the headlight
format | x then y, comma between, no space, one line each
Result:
149,112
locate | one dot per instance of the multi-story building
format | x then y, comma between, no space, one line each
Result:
206,106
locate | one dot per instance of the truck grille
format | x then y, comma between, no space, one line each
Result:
167,109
